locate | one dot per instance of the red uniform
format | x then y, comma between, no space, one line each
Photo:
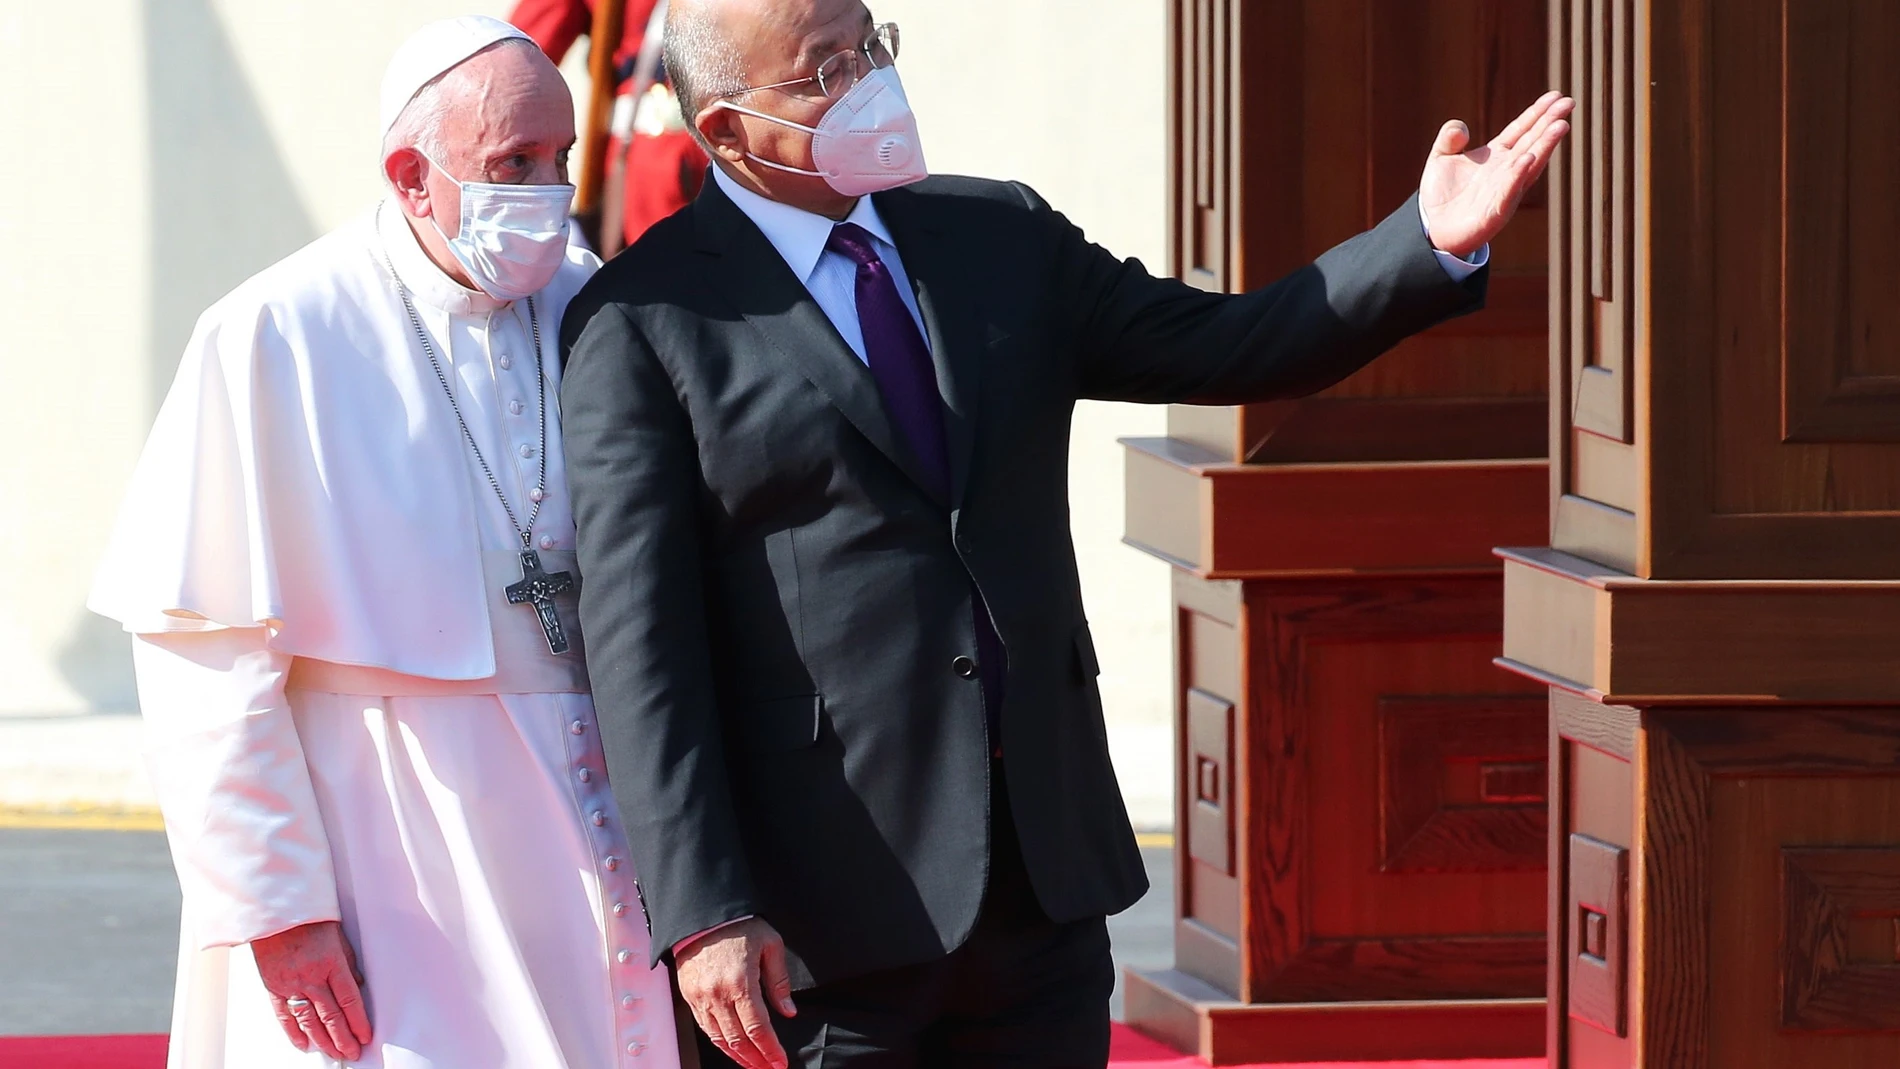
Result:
665,169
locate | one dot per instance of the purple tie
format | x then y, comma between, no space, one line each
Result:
895,349
907,379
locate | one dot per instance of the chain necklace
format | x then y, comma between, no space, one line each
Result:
538,588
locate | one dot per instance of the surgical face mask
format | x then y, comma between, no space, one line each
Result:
512,239
866,143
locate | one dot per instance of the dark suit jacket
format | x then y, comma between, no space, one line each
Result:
774,601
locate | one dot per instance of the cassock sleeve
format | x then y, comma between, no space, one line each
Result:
1159,340
246,834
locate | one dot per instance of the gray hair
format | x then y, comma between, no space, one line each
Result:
701,60
419,125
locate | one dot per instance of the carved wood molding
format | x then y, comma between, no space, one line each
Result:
1462,783
1288,617
1597,934
1840,950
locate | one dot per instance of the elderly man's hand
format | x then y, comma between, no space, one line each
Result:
725,977
314,965
1470,193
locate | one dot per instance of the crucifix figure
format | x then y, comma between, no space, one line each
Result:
539,588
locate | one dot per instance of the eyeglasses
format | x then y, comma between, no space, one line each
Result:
836,76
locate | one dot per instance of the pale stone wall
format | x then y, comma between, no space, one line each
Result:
192,142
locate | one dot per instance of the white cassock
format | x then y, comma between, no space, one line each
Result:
345,718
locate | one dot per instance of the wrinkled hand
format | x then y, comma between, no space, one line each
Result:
725,978
1470,193
315,962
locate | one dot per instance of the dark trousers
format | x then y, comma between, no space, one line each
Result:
1022,993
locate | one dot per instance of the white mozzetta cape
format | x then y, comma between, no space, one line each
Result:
294,476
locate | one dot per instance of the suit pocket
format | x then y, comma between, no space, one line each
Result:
780,724
1086,662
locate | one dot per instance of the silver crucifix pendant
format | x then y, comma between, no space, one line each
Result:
539,589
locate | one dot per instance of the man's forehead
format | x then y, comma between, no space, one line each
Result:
797,28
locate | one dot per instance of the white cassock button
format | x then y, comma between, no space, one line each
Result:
506,362
629,1001
537,495
514,408
635,1048
600,819
547,541
613,863
584,775
625,956
577,727
526,451
620,909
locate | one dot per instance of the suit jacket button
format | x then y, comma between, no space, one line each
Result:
964,667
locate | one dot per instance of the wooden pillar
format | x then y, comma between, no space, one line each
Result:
1360,816
1717,616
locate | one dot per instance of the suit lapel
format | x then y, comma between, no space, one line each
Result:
763,289
952,323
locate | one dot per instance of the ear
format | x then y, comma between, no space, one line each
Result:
406,170
720,127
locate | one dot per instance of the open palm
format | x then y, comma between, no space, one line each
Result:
1470,193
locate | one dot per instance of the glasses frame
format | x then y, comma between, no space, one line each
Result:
883,33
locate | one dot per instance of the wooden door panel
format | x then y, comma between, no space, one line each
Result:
1840,345
1594,286
1775,388
1349,95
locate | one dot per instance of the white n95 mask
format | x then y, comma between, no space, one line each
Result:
512,239
866,143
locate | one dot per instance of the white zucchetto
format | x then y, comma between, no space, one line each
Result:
432,51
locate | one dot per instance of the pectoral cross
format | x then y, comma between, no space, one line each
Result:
539,589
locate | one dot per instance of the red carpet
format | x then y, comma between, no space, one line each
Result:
1130,1051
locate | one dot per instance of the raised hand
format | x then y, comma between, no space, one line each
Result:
1470,193
310,973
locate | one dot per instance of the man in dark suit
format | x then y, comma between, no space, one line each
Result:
817,436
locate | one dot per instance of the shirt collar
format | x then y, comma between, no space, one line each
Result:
430,284
798,235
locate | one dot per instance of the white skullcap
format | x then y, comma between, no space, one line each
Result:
432,51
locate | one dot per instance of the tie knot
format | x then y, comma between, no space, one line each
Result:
854,243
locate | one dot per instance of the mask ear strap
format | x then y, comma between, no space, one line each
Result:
784,167
730,106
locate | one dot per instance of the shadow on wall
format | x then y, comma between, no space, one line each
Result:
223,203
223,206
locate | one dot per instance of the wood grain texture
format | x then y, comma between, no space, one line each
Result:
1327,656
1611,729
1730,497
1672,929
1186,1014
1241,521
1448,772
1756,822
1632,641
1349,94
1412,969
1825,985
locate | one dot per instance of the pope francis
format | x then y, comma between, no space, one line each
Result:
347,561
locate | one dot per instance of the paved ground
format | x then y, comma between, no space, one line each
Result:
89,930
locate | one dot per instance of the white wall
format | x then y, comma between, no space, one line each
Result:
200,140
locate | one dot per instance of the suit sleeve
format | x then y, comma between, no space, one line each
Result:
1159,340
634,475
